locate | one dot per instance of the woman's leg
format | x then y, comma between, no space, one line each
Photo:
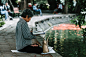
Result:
39,10
55,11
30,49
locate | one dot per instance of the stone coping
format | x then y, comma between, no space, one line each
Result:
44,18
40,18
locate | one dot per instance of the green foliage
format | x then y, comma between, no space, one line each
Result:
78,20
18,1
0,19
84,24
70,6
80,6
2,23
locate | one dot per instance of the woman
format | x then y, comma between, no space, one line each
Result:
36,9
23,35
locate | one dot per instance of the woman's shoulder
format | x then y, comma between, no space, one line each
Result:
21,21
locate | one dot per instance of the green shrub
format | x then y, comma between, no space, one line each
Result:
0,20
79,20
2,23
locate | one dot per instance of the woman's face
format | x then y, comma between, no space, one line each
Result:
6,4
28,19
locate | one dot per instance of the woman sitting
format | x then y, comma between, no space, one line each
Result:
23,35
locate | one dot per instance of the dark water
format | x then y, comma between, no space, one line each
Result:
68,43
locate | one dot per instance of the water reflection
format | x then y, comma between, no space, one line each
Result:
68,43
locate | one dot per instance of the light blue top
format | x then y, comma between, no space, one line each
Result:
34,7
60,6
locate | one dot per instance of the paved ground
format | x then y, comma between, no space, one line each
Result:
7,41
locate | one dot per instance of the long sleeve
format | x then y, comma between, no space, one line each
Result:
26,32
1,7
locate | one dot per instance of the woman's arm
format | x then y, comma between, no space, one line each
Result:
26,32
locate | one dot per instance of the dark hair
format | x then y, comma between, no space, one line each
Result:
27,12
34,3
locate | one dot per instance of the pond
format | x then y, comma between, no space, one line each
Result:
68,43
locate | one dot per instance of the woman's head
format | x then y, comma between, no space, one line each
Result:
6,3
34,4
27,14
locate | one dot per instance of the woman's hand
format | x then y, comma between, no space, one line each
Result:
35,45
